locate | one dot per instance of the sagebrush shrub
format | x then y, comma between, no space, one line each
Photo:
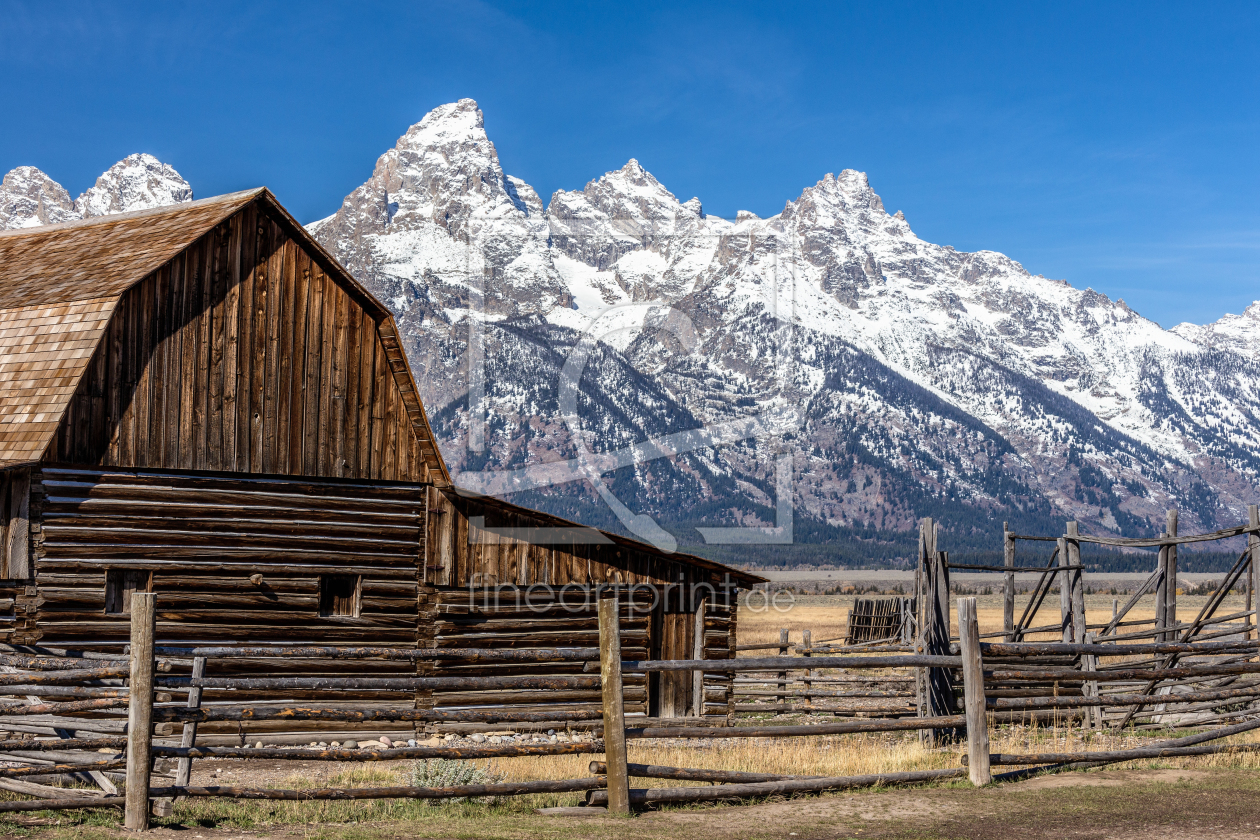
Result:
449,772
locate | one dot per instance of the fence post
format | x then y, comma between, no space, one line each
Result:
1253,542
1008,588
1077,577
1089,662
781,699
1065,593
140,712
807,637
184,771
973,693
1170,592
614,712
1161,594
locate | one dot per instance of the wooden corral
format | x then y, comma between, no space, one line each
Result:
199,402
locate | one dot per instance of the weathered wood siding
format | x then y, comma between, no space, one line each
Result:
15,494
243,354
202,537
497,588
481,618
515,546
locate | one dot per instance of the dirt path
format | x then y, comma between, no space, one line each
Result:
1107,805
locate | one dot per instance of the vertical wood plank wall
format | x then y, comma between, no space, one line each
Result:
243,355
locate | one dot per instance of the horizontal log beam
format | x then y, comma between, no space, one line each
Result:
60,708
63,744
1118,755
380,755
53,663
1068,675
1124,699
308,652
794,663
67,804
454,791
1053,648
691,774
50,769
875,725
1156,542
81,692
383,683
252,713
55,677
639,796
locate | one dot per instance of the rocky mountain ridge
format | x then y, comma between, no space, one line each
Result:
29,198
921,378
620,357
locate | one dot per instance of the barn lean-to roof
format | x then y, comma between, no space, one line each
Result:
549,521
60,284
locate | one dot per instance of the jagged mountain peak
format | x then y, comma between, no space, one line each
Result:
440,226
1239,333
29,198
455,122
443,170
137,182
634,172
630,192
982,383
844,202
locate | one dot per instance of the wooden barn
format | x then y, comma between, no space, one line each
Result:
200,402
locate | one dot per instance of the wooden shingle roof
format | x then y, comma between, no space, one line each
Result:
60,284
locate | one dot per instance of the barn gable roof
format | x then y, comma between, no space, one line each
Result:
60,284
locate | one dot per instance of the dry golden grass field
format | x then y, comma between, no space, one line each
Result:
1185,799
825,616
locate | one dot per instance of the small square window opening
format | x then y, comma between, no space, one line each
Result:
119,586
339,595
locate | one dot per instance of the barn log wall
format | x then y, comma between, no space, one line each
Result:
202,537
493,587
244,354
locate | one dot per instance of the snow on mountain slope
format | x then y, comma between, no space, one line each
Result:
442,234
1238,333
923,374
137,182
29,198
835,263
439,211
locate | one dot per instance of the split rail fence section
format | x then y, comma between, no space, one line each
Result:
70,705
74,687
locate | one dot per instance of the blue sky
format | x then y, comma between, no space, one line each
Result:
1113,145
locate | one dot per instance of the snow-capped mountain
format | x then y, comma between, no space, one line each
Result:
1237,333
137,182
900,378
921,379
29,198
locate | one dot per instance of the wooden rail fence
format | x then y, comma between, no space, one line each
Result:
1174,671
